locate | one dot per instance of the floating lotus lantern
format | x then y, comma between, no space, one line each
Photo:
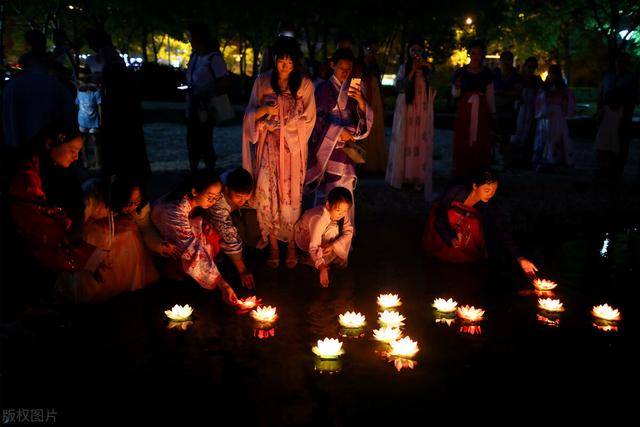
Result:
248,303
179,313
391,319
551,321
606,312
470,313
404,347
263,334
351,319
471,329
544,284
182,325
389,301
549,304
387,334
264,314
328,348
445,306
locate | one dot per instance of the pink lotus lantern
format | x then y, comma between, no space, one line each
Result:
606,312
265,314
549,304
470,313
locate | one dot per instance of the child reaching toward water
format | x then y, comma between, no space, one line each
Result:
324,233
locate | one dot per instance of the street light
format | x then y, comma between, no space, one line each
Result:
468,21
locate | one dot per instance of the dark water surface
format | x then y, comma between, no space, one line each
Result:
120,363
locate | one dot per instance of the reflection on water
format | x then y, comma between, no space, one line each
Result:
470,329
605,325
327,366
445,318
401,363
179,325
351,332
550,320
264,333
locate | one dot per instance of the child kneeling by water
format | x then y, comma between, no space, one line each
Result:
324,233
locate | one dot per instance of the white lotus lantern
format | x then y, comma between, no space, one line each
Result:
248,303
606,312
389,301
544,284
351,319
391,319
470,313
328,348
387,334
404,347
550,304
179,313
265,314
445,305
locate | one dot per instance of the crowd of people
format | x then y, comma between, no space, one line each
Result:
301,134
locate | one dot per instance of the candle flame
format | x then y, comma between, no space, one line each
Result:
179,313
606,312
391,318
351,319
470,313
389,300
264,314
445,306
550,304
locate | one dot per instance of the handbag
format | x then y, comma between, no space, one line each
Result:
355,151
221,108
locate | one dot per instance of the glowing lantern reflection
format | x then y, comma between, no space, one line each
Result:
264,333
179,313
549,304
606,312
328,366
387,334
544,284
446,320
328,348
471,329
470,313
401,363
445,306
265,314
391,319
389,301
605,326
181,325
404,347
550,321
351,319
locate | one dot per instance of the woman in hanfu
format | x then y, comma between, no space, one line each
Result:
278,122
473,87
178,218
411,151
555,102
460,223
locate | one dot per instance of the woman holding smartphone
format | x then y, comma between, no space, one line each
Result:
411,150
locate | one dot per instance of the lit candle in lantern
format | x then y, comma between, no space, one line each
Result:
606,312
549,304
404,347
445,306
391,319
389,301
351,319
544,284
179,313
328,348
264,314
387,334
470,313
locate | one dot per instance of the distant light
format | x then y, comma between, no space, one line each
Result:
71,7
624,33
388,79
175,63
521,15
6,78
544,75
605,247
469,21
138,60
